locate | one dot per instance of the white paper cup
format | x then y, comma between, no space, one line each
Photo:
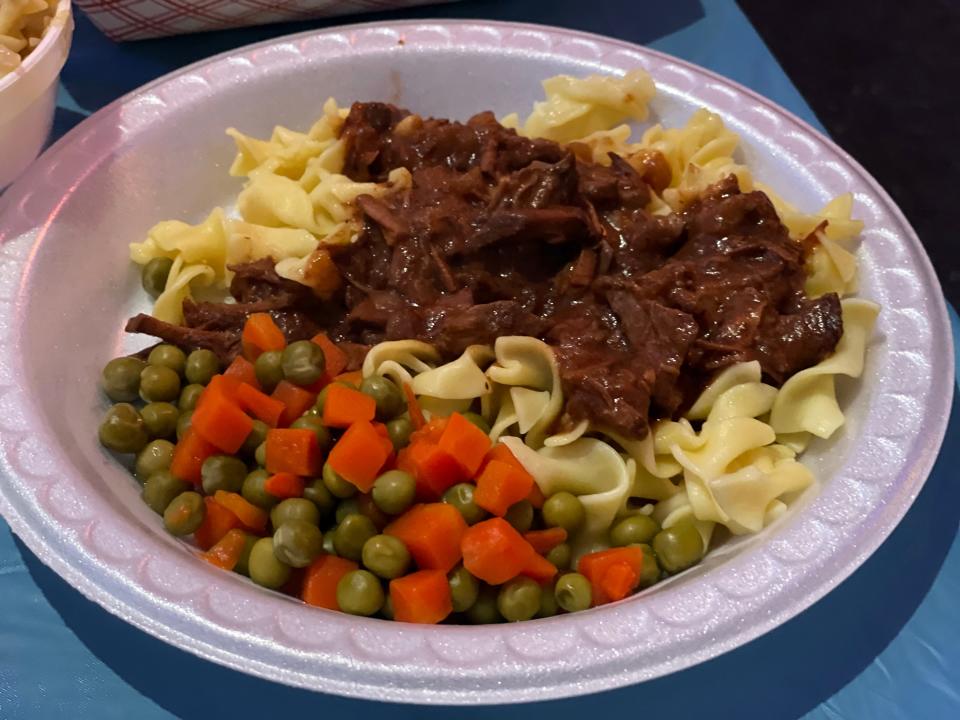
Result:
28,98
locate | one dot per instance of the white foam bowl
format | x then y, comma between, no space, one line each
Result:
28,98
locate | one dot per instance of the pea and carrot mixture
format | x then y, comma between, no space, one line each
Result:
334,488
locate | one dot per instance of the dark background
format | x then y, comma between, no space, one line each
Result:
883,76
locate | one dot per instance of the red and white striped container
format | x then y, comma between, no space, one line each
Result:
140,19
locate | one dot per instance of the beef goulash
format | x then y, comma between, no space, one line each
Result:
500,234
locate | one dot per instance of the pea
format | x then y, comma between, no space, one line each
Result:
315,425
337,486
387,395
478,421
265,567
519,599
359,593
328,547
160,489
350,506
189,397
520,515
303,362
201,366
351,534
243,562
260,454
385,556
160,418
461,497
123,429
156,456
183,423
399,431
256,438
548,602
268,368
222,472
650,570
484,610
153,275
633,529
317,493
321,400
464,588
563,510
159,384
296,543
366,506
254,491
295,509
121,378
168,356
394,491
560,556
184,514
386,612
678,547
573,592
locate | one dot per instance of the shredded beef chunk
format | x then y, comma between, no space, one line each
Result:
498,234
224,343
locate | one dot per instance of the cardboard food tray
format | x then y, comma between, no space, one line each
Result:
141,19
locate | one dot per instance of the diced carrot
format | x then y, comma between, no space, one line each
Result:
413,407
188,456
502,453
385,441
421,597
345,406
359,455
260,335
336,359
242,370
432,534
543,541
284,485
609,571
434,470
465,442
221,422
220,386
495,552
296,401
260,405
500,485
226,552
354,378
293,450
249,515
539,569
431,431
320,581
619,580
217,522
536,496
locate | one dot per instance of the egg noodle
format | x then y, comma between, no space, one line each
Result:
22,26
730,461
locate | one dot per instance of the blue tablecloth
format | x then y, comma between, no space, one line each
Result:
885,644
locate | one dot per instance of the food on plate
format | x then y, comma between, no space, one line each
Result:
22,26
443,371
